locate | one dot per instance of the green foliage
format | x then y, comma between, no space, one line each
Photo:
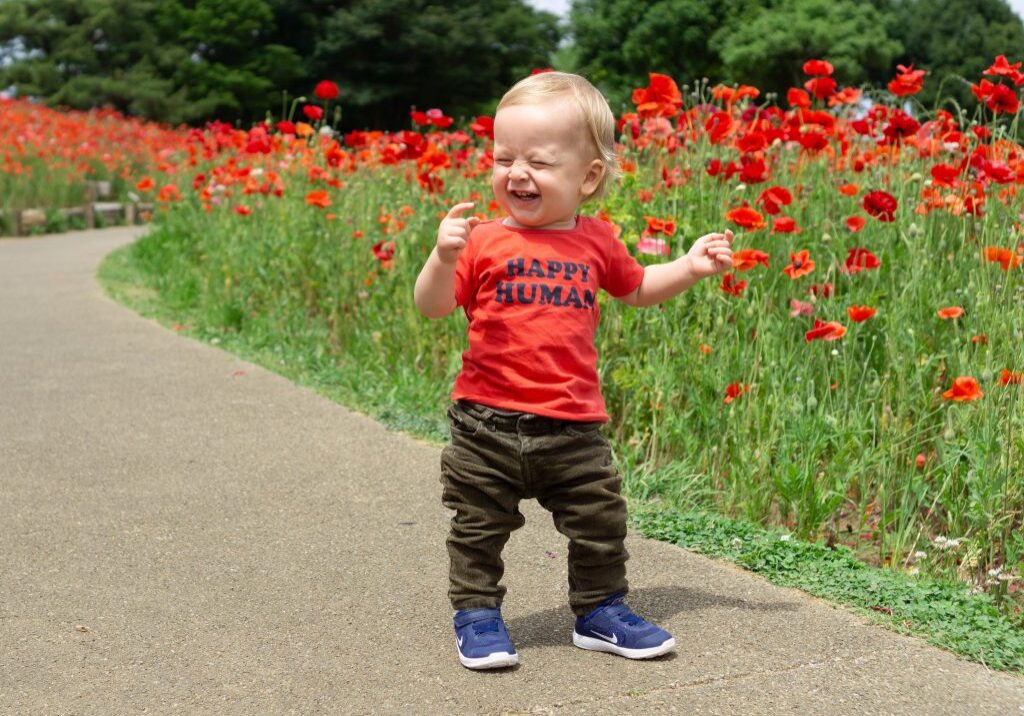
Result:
391,54
954,40
164,59
767,46
617,42
195,60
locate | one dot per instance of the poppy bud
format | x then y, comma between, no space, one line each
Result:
919,461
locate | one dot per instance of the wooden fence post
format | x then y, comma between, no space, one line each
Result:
90,210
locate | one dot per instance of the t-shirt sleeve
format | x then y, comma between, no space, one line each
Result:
623,273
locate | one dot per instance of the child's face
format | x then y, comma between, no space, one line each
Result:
544,166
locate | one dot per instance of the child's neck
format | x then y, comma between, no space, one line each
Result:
565,225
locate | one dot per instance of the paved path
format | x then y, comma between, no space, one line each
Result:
184,532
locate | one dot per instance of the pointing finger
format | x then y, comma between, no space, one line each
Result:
456,211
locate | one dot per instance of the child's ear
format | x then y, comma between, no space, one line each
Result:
592,179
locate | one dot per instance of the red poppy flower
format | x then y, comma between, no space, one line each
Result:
169,192
483,126
820,87
734,390
1007,377
286,127
860,259
849,189
826,331
660,226
318,198
145,184
746,218
945,175
746,259
818,67
908,82
964,388
858,314
1002,67
773,198
821,289
798,98
847,95
785,225
753,171
660,98
731,285
312,112
950,312
800,264
384,250
752,142
855,223
881,205
326,90
243,210
997,97
1006,258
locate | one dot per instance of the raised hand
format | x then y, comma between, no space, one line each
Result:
711,254
453,233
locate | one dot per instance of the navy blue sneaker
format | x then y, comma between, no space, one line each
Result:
483,640
613,627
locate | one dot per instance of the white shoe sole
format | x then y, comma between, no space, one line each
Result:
496,660
588,642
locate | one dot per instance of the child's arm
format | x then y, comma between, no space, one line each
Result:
435,286
710,254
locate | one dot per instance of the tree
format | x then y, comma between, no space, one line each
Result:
387,55
618,42
164,59
955,40
767,46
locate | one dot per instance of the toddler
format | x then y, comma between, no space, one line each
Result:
527,407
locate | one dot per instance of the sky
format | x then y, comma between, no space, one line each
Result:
561,7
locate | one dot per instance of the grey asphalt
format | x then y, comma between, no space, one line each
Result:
184,532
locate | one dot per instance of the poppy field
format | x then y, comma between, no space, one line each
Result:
47,156
857,378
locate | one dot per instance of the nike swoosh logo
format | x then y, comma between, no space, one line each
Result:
614,638
460,642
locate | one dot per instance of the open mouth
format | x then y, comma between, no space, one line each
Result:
525,195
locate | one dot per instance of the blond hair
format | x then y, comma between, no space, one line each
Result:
596,114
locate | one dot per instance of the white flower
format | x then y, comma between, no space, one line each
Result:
920,555
785,538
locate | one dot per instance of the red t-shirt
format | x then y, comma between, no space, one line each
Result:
531,299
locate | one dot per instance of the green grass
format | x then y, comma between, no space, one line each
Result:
947,614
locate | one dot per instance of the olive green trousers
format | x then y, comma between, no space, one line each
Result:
497,458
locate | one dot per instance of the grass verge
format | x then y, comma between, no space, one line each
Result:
946,614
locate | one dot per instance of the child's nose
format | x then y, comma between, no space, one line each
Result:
518,171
